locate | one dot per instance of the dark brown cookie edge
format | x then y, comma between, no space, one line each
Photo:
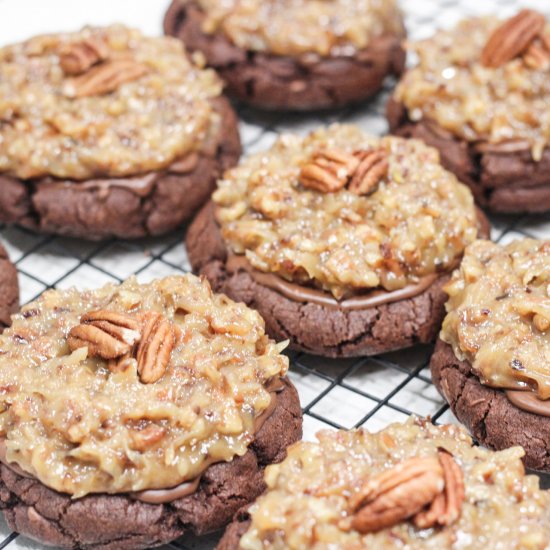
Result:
286,83
503,183
311,327
491,418
64,207
234,531
9,289
116,522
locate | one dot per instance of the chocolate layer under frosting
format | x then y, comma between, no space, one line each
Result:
528,401
300,293
163,496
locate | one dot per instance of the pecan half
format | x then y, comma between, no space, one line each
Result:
512,38
106,334
331,170
77,57
328,171
445,508
154,351
395,495
104,78
373,166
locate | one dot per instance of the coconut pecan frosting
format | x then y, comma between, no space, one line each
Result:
498,314
134,386
101,102
294,27
485,81
346,212
411,485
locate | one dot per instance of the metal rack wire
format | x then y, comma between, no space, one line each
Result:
370,392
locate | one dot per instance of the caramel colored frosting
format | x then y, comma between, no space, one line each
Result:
81,424
498,314
415,223
141,105
293,27
307,503
495,105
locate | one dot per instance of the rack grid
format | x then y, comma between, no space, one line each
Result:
370,392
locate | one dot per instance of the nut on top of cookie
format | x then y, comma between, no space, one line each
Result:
411,485
498,314
101,102
346,212
134,386
485,81
293,27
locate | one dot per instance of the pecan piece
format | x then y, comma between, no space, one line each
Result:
373,166
77,57
512,38
154,351
537,56
445,508
106,334
395,495
148,437
328,171
104,78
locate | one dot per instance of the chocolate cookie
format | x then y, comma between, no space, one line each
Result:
9,289
489,415
481,129
490,365
315,299
127,136
169,436
414,483
292,59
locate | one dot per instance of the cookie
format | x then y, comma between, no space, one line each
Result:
124,136
411,485
156,408
331,238
482,102
491,363
297,55
9,289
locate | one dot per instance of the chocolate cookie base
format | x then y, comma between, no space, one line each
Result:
276,82
117,522
312,327
491,418
505,182
235,530
109,207
9,289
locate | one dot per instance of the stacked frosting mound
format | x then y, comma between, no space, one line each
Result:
163,399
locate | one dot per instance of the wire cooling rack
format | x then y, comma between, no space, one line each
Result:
370,392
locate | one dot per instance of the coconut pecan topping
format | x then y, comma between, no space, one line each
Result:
77,57
154,351
104,78
512,38
428,490
106,334
124,340
331,170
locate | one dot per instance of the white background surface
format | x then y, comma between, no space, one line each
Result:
348,393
